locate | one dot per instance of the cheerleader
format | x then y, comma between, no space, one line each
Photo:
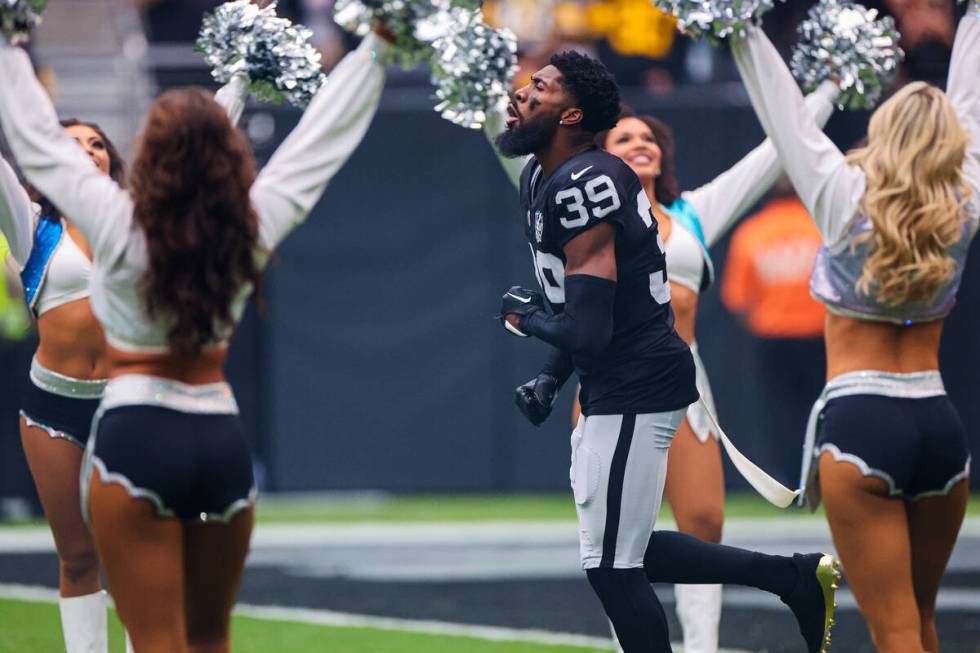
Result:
690,223
889,452
167,477
69,369
67,377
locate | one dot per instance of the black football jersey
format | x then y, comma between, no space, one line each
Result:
647,367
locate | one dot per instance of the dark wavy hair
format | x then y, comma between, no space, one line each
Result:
117,166
190,185
666,190
593,87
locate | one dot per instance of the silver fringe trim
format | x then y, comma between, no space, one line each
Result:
893,489
52,432
107,477
65,386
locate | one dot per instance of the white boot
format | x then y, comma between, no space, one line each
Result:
83,621
699,610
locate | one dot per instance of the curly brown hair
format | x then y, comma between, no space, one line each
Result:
666,190
190,185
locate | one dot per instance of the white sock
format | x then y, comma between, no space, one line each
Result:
83,621
699,610
129,645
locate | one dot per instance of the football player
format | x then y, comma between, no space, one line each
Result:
604,305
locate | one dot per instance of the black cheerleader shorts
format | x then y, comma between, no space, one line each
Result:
191,466
917,446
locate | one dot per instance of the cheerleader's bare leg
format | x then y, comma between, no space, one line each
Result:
695,490
143,559
894,552
214,556
871,534
934,523
55,463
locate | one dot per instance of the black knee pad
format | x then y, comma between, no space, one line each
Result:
633,608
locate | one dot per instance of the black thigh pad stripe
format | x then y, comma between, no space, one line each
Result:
614,495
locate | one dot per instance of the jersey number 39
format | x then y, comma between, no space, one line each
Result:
601,194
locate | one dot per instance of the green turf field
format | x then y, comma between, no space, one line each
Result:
480,507
468,508
458,507
35,627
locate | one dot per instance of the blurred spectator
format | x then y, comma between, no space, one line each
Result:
178,21
927,28
766,282
767,276
637,41
332,42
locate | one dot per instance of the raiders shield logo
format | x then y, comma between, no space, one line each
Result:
538,225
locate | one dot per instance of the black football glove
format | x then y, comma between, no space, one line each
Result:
519,301
536,397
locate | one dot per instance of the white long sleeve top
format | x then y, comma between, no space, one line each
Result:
719,203
69,270
17,215
284,193
832,189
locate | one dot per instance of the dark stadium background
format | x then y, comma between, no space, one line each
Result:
373,361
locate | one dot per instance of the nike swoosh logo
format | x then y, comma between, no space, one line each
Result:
523,300
577,175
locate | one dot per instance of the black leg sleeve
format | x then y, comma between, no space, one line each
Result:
678,558
633,608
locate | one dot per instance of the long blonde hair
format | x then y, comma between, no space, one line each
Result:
915,195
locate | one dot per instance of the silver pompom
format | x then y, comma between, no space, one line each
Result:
472,69
715,19
414,24
847,41
275,54
19,17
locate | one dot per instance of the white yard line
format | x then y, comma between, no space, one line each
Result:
340,619
28,539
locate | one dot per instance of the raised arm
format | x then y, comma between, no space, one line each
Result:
493,127
53,162
829,187
725,199
331,128
963,87
232,97
16,214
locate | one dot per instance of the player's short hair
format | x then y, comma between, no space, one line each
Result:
593,87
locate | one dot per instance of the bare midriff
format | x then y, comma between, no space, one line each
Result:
72,342
684,302
206,367
864,345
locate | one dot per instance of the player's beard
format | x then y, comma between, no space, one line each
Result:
528,137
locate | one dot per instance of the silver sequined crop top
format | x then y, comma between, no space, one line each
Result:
837,270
